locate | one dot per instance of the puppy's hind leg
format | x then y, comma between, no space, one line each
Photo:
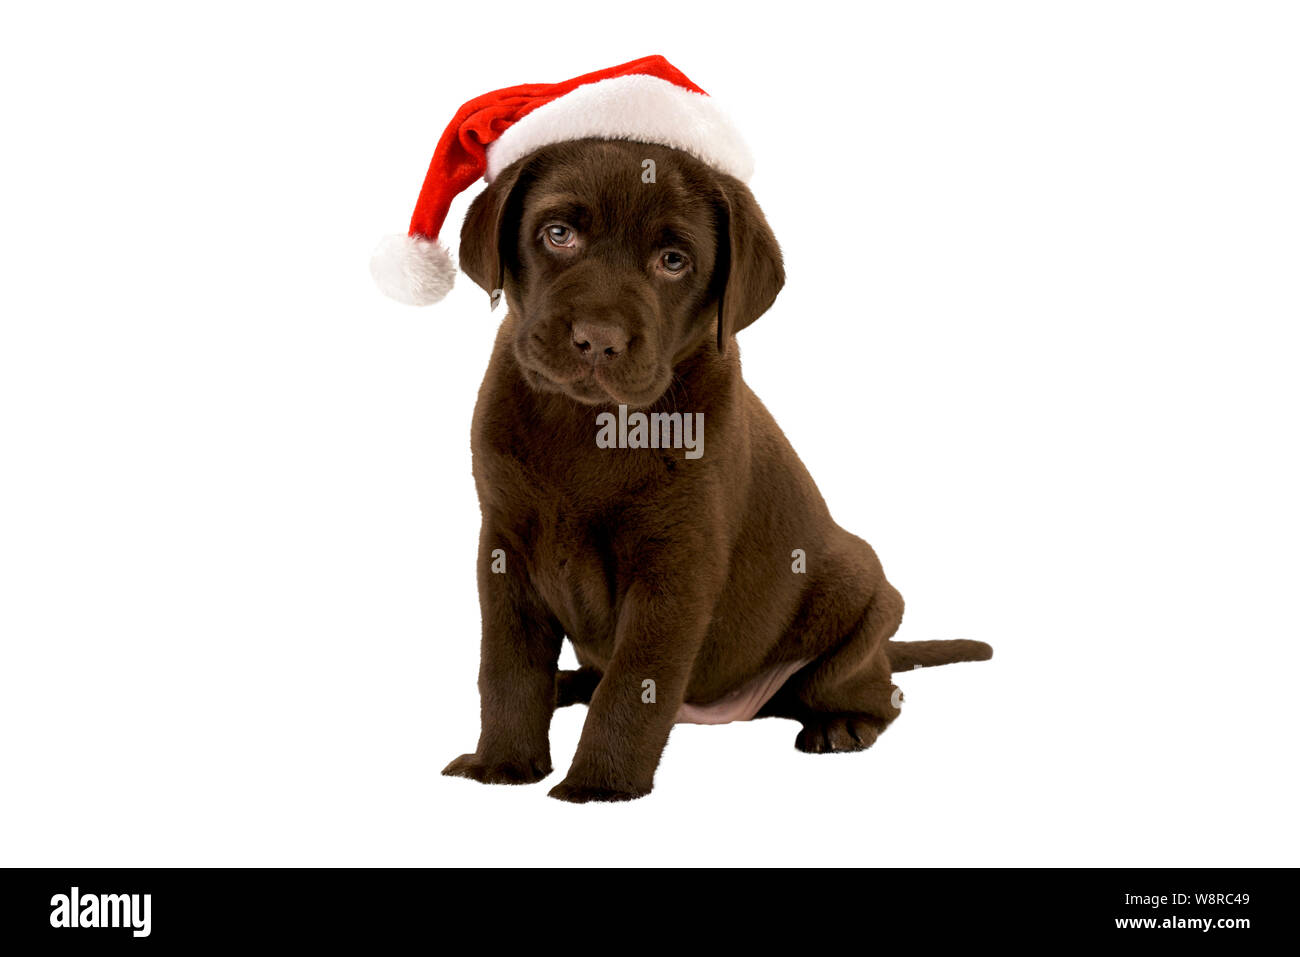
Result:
846,698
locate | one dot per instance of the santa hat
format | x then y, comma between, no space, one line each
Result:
645,101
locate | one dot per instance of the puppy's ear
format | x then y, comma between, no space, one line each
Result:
488,236
749,273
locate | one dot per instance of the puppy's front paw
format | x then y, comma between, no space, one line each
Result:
487,771
576,792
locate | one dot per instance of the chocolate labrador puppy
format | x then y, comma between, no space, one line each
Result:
697,572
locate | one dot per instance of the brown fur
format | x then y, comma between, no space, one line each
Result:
655,566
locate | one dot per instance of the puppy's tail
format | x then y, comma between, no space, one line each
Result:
906,655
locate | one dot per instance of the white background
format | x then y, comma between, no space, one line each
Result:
1037,345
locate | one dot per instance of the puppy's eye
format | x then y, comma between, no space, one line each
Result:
673,263
560,236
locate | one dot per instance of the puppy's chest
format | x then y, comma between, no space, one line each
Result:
577,562
577,516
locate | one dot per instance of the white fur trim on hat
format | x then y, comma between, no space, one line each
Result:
640,108
412,269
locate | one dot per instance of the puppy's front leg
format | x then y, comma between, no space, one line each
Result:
521,645
660,629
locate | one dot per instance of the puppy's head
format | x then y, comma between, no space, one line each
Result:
615,268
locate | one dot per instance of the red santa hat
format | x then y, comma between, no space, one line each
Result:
646,101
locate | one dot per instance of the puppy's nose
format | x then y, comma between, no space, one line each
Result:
597,340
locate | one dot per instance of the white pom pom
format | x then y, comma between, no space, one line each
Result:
412,269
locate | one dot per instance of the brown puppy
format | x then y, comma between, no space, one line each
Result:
701,583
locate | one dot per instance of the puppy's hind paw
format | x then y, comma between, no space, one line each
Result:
478,768
837,733
575,687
